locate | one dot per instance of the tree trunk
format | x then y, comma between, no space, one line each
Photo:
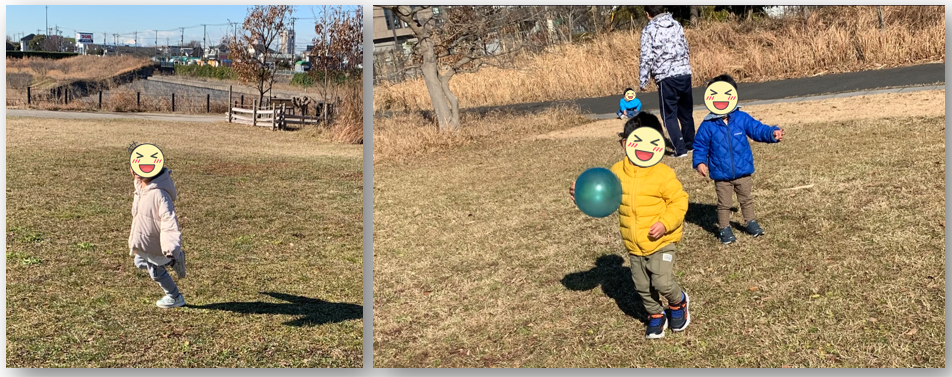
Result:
695,15
595,20
451,99
571,25
880,9
431,77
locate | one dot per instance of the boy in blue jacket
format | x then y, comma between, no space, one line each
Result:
722,152
628,106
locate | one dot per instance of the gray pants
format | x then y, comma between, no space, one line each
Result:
159,274
654,277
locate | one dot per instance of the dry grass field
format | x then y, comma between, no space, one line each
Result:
272,228
832,40
482,260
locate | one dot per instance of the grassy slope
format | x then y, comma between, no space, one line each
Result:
270,216
481,259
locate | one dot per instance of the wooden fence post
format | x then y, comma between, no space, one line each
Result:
229,103
208,98
254,113
137,100
28,100
173,102
242,100
100,100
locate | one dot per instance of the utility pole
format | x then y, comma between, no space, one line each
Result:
204,38
47,20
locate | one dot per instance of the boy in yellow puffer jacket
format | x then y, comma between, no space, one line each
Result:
650,217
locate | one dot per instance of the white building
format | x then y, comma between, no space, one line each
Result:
286,45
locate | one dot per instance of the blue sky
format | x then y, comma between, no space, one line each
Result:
151,21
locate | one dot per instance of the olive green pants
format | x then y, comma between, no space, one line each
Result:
654,277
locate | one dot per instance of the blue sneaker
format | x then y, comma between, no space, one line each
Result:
678,315
754,229
169,302
657,323
727,236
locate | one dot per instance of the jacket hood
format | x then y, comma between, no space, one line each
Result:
664,20
163,181
711,116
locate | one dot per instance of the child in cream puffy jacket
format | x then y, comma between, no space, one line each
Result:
155,239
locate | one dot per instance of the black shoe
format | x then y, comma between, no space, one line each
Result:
754,229
678,315
657,323
727,236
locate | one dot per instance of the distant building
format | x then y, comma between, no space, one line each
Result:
286,44
390,31
25,42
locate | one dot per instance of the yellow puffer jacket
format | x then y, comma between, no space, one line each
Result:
649,195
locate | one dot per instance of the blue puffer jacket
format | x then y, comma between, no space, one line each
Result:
723,146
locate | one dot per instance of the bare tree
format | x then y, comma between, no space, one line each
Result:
572,15
338,47
251,52
463,39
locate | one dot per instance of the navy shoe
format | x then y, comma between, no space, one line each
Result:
727,236
678,315
657,323
754,229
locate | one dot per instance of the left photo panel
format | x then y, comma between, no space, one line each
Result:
184,186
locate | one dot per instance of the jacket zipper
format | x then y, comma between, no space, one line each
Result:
730,146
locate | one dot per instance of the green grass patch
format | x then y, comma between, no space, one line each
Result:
205,71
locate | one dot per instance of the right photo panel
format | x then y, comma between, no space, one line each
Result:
659,186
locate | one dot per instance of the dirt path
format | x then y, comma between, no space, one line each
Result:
107,115
923,103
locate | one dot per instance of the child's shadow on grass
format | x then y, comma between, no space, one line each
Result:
313,311
704,216
616,282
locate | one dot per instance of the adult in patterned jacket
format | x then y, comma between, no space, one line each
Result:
665,57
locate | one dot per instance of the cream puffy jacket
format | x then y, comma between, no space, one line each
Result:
155,231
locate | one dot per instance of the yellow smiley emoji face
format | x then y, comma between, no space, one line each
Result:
629,95
644,147
146,160
720,97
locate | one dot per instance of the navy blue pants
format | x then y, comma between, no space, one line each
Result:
677,104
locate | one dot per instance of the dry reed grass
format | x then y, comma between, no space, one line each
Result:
75,68
832,39
348,127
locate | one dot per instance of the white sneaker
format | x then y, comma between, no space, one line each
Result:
169,302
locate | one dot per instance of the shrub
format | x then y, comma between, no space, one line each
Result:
207,71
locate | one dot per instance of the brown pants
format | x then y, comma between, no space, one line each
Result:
654,277
725,199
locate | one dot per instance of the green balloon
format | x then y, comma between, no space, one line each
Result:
598,192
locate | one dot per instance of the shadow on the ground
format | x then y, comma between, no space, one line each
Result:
312,311
704,216
615,280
